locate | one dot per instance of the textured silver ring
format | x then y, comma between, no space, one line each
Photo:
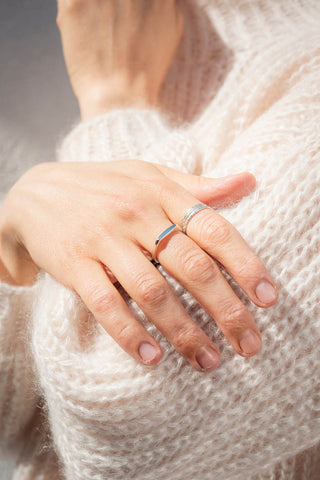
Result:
190,213
163,235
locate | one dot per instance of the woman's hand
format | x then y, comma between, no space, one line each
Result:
118,53
74,220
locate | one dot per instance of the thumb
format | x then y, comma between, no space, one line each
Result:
216,192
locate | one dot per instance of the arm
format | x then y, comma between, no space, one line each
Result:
17,393
118,87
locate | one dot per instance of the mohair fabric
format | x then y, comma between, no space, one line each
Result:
242,95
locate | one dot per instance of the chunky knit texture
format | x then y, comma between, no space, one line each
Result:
242,94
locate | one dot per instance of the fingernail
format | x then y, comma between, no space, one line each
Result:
266,292
207,358
147,352
250,342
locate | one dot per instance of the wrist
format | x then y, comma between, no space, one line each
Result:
99,100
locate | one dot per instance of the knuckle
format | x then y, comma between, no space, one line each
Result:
249,267
186,339
151,291
198,267
126,333
235,315
71,251
129,210
215,232
102,301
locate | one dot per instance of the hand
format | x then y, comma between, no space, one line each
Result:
118,52
74,219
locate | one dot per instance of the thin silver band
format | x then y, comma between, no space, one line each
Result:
163,235
190,213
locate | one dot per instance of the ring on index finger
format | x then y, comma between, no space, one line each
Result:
190,213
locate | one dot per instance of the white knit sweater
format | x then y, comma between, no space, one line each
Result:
243,94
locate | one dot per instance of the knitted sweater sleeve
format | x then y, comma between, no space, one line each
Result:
131,133
17,393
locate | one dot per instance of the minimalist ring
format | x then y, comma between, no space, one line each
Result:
190,213
163,235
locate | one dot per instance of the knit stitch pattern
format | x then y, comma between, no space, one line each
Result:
242,95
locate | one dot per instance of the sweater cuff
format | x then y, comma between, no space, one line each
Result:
127,134
117,135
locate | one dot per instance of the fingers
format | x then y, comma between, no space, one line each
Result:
192,267
216,236
198,272
109,309
155,297
217,192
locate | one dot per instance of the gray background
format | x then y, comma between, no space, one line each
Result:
36,102
5,471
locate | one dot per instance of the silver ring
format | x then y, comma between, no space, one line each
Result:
163,235
190,213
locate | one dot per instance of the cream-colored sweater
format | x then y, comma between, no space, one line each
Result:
243,94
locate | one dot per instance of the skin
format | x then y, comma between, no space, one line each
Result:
88,245
118,52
